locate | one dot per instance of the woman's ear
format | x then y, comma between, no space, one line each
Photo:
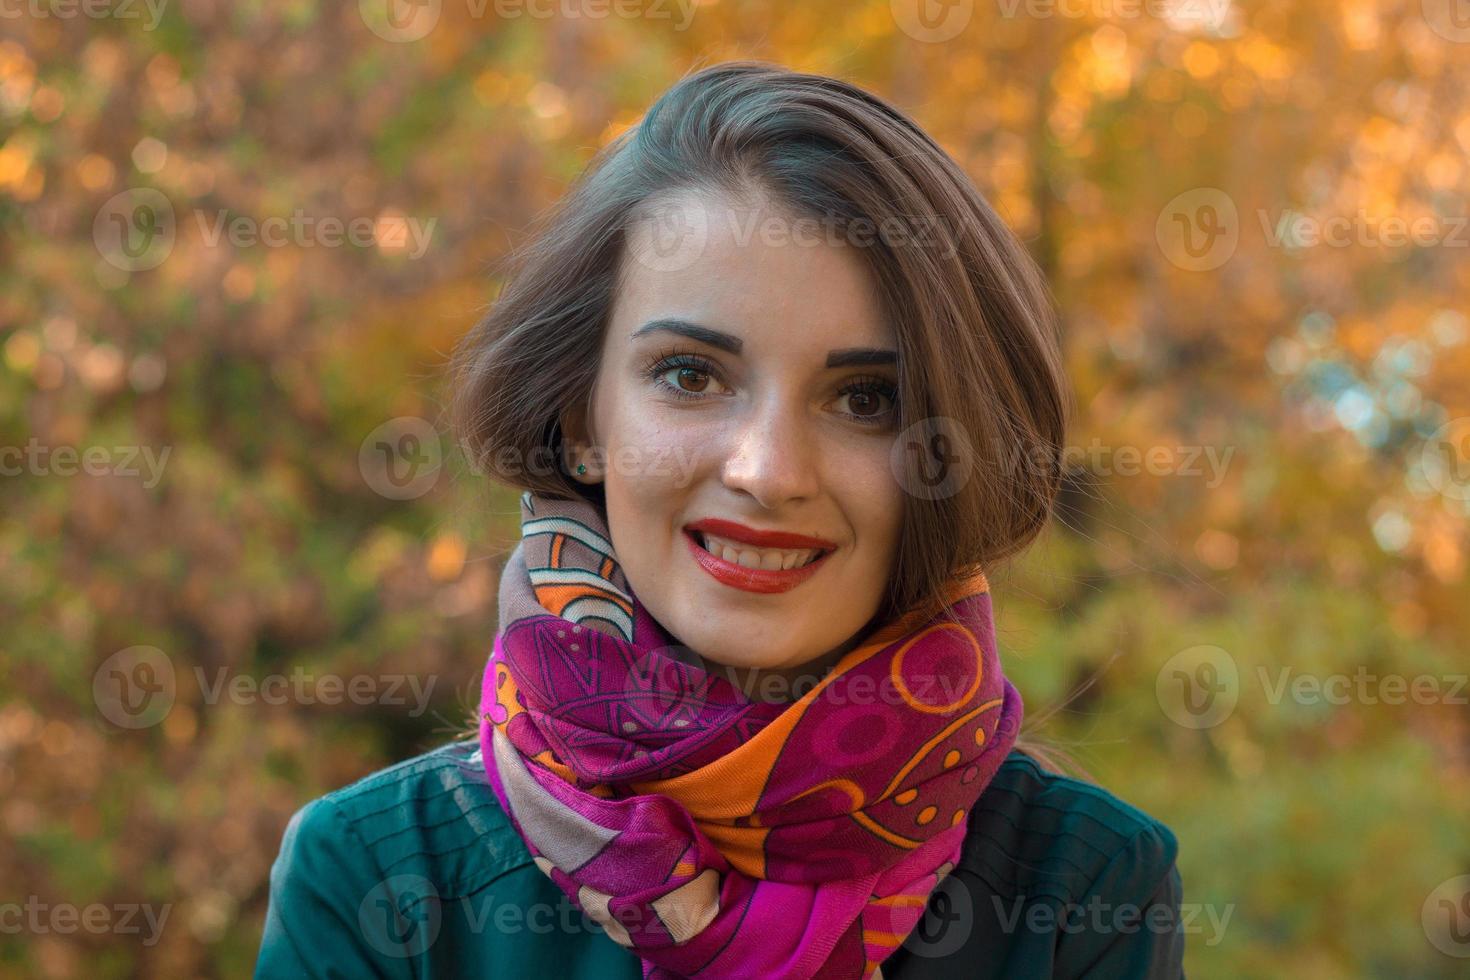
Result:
577,446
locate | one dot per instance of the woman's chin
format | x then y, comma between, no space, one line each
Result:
742,644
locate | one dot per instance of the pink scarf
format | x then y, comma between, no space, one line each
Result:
716,836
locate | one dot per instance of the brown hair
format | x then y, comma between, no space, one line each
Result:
977,333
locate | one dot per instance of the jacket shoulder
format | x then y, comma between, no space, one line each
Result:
1057,878
1036,832
396,874
433,815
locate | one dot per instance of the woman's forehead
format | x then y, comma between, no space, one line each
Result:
757,274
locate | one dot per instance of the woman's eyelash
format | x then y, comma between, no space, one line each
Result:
663,363
667,361
872,386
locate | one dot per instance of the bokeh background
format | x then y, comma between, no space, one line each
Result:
1253,215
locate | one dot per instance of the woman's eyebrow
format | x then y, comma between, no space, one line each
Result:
861,356
715,338
845,357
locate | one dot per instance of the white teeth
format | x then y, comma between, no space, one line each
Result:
770,559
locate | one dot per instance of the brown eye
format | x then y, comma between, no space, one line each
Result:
692,379
871,401
865,403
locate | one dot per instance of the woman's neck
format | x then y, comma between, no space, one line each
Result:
778,685
784,685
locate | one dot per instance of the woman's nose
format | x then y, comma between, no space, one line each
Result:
773,457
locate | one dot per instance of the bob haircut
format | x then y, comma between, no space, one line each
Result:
978,349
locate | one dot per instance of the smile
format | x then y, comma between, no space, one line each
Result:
739,562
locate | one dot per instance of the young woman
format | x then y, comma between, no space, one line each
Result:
778,387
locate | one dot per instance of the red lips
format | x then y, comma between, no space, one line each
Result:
758,539
762,580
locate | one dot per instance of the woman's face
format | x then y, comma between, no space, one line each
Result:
755,384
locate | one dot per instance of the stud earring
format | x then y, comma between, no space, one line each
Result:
581,469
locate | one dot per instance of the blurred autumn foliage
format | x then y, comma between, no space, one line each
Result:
1212,188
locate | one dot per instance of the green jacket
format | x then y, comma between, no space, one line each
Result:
415,871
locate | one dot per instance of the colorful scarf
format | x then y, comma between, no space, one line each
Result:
713,835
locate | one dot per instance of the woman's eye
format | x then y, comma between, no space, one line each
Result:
689,379
865,403
868,403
